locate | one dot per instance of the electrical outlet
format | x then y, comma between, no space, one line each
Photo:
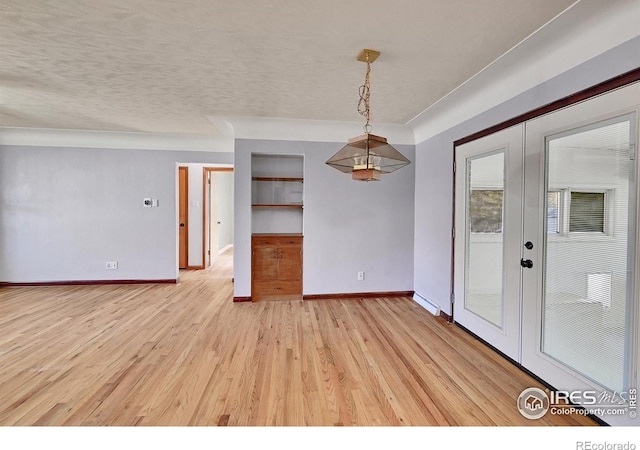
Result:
360,276
147,203
112,265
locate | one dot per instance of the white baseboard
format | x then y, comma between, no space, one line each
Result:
224,249
426,304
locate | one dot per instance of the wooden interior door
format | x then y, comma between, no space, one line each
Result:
183,215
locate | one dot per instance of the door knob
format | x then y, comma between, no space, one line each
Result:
526,263
181,224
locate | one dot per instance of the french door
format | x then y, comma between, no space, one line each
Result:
488,232
571,248
580,298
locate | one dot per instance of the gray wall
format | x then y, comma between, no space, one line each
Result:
64,212
349,226
434,163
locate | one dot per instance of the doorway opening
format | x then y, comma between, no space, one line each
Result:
217,221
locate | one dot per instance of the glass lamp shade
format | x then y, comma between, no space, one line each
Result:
366,157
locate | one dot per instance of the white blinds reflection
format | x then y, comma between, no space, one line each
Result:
586,273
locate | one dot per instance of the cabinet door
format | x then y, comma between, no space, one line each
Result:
265,263
290,262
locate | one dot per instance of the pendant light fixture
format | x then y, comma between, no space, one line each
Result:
368,156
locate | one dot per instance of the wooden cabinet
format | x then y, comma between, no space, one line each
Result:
276,267
277,195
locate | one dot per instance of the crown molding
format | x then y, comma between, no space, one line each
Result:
314,130
44,137
583,31
229,129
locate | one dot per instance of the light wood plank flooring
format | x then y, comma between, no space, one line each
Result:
222,265
186,355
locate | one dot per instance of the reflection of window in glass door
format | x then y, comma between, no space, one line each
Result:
579,211
484,294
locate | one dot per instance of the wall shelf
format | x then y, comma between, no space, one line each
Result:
294,206
277,193
285,179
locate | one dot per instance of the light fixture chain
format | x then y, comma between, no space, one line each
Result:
365,94
367,157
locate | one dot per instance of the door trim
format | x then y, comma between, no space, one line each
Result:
601,88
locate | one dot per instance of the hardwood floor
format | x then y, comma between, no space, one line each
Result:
186,355
221,265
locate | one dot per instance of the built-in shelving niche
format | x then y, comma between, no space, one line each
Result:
277,193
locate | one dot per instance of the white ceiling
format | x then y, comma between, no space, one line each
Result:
160,66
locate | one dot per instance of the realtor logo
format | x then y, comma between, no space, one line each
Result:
533,403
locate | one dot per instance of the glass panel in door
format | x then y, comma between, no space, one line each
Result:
484,236
586,272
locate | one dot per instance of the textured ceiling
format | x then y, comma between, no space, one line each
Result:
165,66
